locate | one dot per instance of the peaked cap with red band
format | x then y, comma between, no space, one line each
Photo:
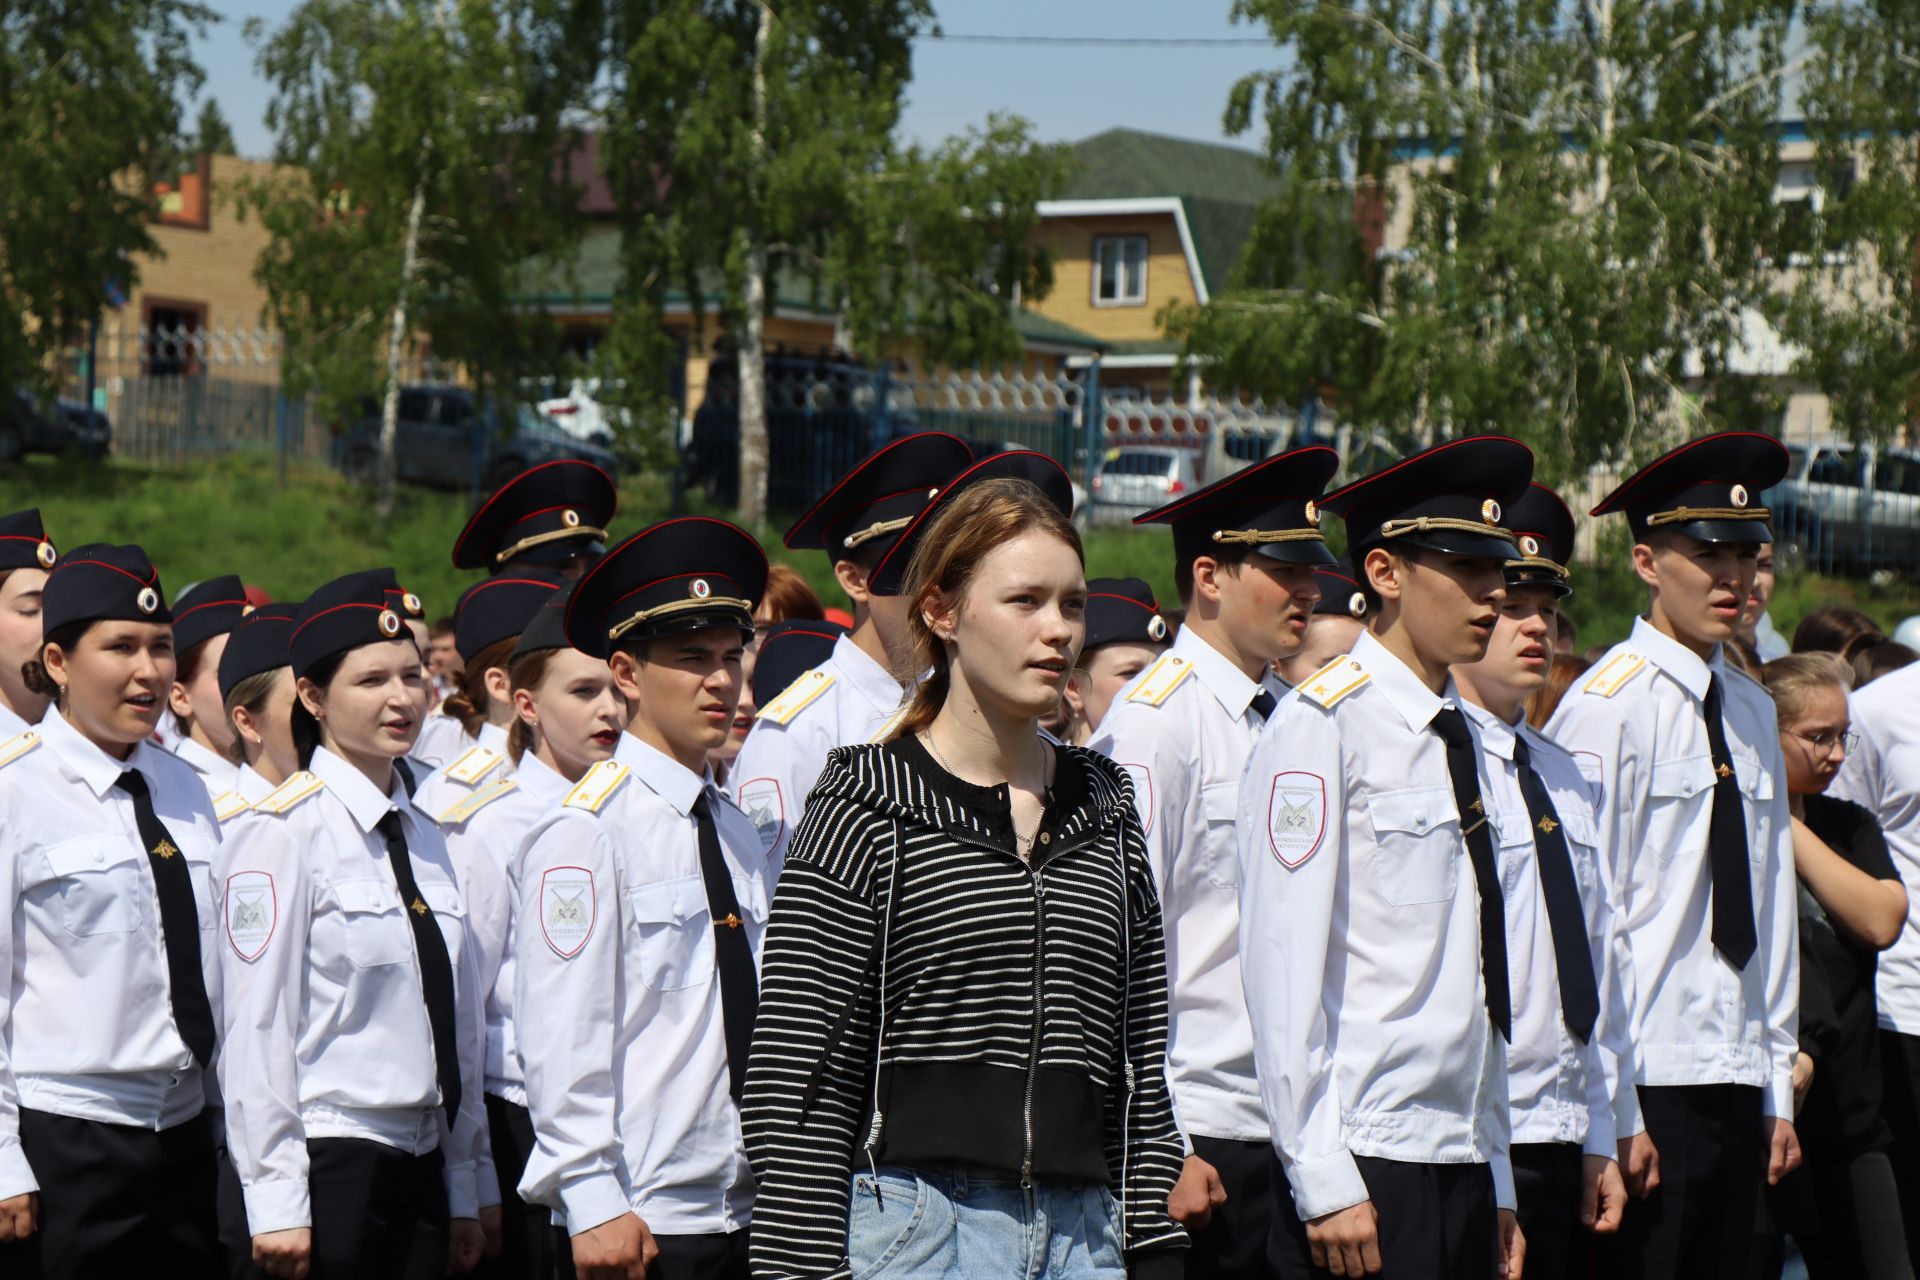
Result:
889,577
789,650
686,574
546,515
100,582
1122,611
1450,498
871,504
1543,531
1272,506
499,608
1708,489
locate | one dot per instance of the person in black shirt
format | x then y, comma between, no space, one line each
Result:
1841,1206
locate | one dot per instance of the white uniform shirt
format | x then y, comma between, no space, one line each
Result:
327,1030
1635,727
441,742
617,986
1559,1089
86,1023
844,702
1883,774
1360,938
1183,729
218,773
11,723
485,815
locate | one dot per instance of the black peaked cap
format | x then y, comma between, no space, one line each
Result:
1122,611
1449,498
24,543
344,614
208,609
547,514
99,583
877,499
889,577
499,608
789,650
259,644
685,574
1272,506
1708,489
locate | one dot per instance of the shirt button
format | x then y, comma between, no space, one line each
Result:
99,857
1420,824
1046,837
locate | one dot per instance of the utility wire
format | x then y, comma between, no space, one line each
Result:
1123,42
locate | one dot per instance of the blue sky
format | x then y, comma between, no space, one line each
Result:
1069,91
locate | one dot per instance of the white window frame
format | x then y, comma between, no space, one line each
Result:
1798,182
1119,246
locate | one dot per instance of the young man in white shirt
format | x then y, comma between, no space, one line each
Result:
1245,549
1686,753
641,899
1372,935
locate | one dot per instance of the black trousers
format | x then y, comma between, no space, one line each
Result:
1900,1101
1843,1210
1547,1182
1699,1222
117,1200
1437,1222
716,1257
1233,1246
526,1230
378,1213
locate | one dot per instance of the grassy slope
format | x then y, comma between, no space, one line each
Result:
233,516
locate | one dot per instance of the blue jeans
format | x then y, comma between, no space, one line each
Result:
955,1223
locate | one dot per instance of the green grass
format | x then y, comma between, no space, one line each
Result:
233,515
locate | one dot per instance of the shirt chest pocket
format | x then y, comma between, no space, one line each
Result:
1583,846
1219,802
1416,845
672,934
375,925
97,885
449,912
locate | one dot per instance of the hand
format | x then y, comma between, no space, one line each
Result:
490,1227
1347,1242
1802,1079
620,1249
465,1239
287,1254
1197,1194
18,1216
1603,1195
1639,1165
1783,1149
1513,1246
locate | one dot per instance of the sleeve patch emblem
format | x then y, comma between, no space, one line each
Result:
760,800
567,909
253,910
1296,816
1142,778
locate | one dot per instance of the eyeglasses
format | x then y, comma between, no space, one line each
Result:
1846,739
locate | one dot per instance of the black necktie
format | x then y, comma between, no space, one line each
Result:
1463,767
1733,930
1579,993
1263,703
179,922
436,971
733,958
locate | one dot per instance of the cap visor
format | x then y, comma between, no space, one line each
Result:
1539,578
1303,552
560,550
1454,543
1748,532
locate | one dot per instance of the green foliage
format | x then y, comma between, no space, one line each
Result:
212,134
1579,198
90,94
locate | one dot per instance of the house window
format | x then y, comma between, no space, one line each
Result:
1119,271
1802,191
172,338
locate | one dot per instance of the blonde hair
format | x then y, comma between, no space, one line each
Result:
1794,679
950,554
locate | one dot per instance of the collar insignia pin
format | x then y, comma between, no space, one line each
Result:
164,850
1725,771
419,907
732,921
1548,825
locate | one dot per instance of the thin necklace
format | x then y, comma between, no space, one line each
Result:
1023,844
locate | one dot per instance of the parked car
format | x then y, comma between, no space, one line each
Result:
578,412
66,426
1847,508
441,432
1136,478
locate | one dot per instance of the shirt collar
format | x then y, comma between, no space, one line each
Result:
204,762
666,777
1674,658
95,767
366,802
540,782
874,681
1416,703
1222,679
1496,735
493,737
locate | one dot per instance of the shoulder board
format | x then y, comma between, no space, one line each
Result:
1327,686
18,745
475,802
291,792
797,696
886,730
1162,678
229,806
473,765
601,782
1614,674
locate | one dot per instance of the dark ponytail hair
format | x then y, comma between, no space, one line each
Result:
469,703
33,672
306,729
526,673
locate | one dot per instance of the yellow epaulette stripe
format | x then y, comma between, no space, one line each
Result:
1614,674
1334,681
798,696
1162,678
474,764
18,745
592,791
291,792
893,722
229,805
476,802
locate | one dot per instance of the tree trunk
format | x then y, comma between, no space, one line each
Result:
397,335
751,354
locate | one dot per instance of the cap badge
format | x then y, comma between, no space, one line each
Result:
411,603
389,623
1490,511
1156,628
570,518
1313,514
699,589
1530,544
246,610
46,555
1357,605
148,600
1738,495
932,494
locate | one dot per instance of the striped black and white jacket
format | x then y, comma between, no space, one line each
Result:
1025,1022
